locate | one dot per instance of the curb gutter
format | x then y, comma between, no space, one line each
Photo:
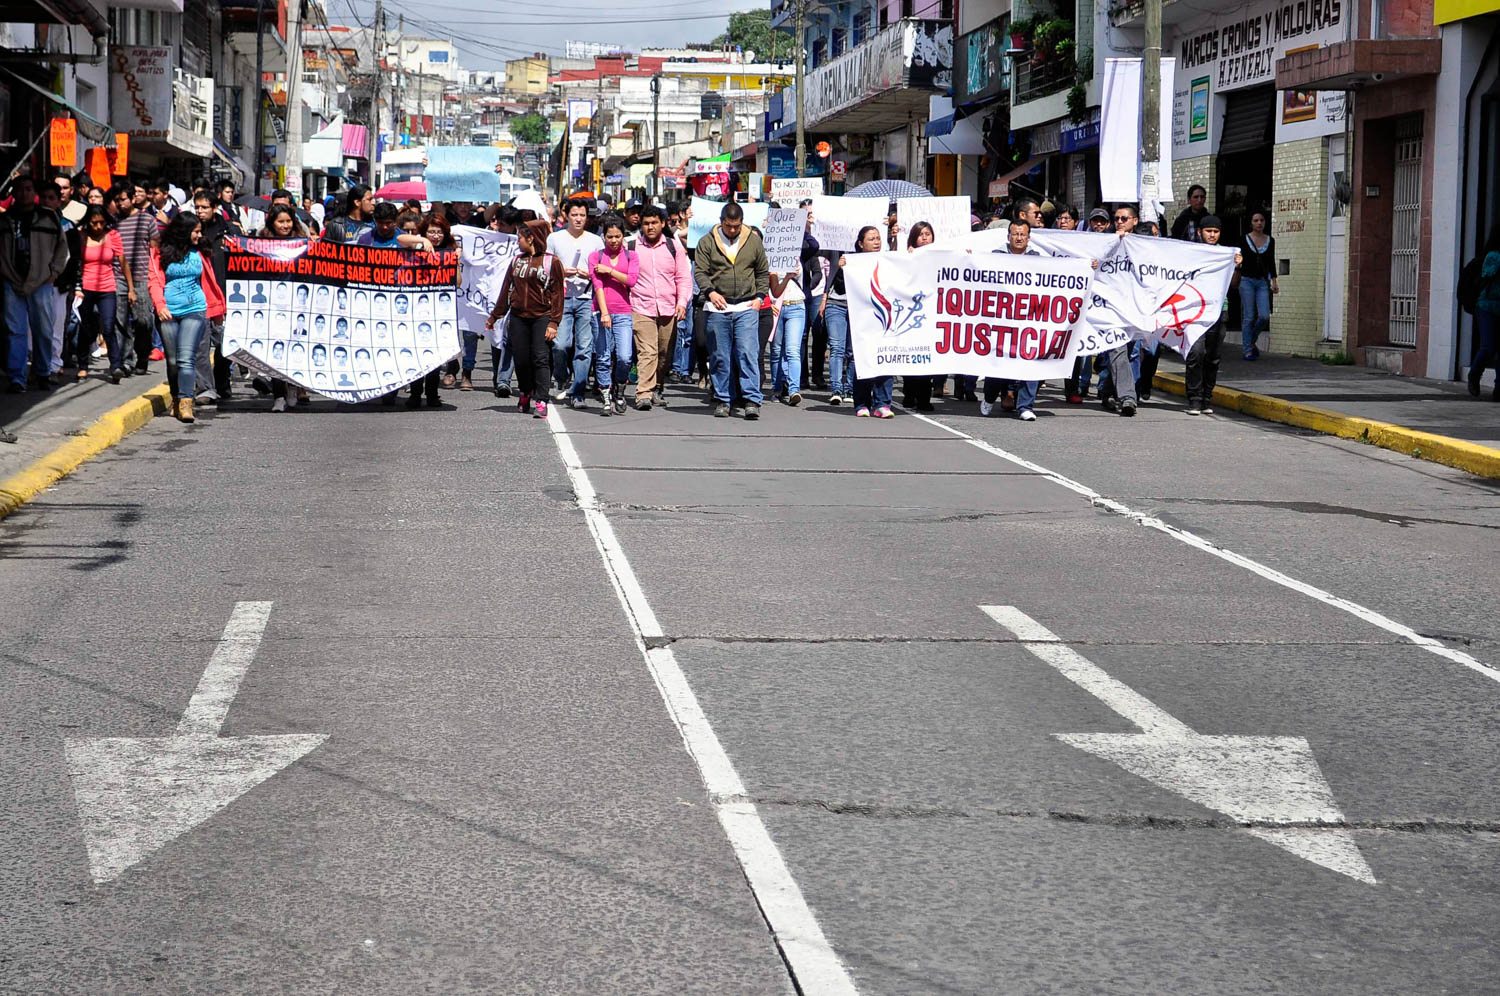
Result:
1481,461
111,427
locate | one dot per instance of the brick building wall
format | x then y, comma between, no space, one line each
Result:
1299,221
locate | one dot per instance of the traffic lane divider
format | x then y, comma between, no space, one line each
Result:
111,427
1482,461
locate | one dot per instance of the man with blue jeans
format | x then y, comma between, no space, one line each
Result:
33,254
1019,244
576,331
734,274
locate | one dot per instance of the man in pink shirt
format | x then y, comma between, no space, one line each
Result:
658,301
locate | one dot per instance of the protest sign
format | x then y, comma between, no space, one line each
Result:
988,315
461,173
837,220
349,322
706,216
63,142
791,191
486,257
783,233
948,216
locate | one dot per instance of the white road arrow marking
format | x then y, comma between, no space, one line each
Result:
1252,780
136,794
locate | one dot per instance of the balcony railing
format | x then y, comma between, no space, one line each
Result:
1040,79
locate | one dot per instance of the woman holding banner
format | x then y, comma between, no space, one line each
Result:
532,295
186,295
439,235
836,318
869,392
917,391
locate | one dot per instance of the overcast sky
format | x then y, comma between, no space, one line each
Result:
493,31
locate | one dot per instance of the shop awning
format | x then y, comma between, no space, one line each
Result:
356,141
1019,171
96,131
938,127
225,155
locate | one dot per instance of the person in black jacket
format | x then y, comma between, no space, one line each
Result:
213,369
1185,228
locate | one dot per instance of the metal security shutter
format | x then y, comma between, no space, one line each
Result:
1249,119
1406,230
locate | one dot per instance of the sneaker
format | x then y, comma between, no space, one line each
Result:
561,394
1207,410
659,397
156,354
752,412
1007,403
861,412
1110,404
279,405
502,391
578,404
986,408
414,401
523,403
721,410
1075,399
643,404
836,400
795,399
433,401
1127,408
737,410
1250,356
884,412
1143,396
1194,410
620,406
607,408
540,411
467,384
1027,415
115,375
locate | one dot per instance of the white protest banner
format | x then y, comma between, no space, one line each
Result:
347,321
783,238
837,220
461,173
706,216
948,216
1076,242
1162,290
791,191
989,315
486,257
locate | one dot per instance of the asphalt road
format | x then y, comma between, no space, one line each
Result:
1263,789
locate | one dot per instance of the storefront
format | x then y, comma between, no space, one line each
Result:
167,113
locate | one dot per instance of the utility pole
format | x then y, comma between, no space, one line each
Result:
260,99
396,77
656,135
293,157
801,152
377,51
1151,112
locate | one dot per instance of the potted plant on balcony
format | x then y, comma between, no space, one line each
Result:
1046,37
1020,34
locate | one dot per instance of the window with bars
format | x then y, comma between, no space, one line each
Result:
1406,230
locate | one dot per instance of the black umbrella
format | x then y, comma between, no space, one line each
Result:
254,201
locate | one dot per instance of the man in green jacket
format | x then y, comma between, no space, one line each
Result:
734,275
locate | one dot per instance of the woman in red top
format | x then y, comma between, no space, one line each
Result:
103,258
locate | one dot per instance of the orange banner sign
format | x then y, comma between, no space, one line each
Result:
119,156
64,141
99,167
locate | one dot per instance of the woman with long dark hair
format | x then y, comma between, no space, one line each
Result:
872,395
1257,283
437,231
916,392
836,318
103,262
186,295
532,295
282,223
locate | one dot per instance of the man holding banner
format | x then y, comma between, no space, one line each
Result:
734,276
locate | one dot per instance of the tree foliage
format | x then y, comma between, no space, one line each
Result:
751,31
530,129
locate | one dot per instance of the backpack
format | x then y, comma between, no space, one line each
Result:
1468,284
671,244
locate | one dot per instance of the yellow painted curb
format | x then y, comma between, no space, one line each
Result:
111,427
1482,461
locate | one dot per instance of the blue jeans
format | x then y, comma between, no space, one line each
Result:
577,332
786,348
872,392
682,353
616,341
1255,309
29,320
840,356
179,340
736,332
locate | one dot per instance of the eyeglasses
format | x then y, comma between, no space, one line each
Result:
1120,219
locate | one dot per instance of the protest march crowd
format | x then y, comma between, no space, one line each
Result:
604,307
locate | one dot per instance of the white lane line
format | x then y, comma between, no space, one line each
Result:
1084,673
1239,560
220,683
815,967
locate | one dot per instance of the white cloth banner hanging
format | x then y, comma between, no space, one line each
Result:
989,315
486,256
1120,132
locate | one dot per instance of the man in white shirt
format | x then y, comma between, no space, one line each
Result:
577,331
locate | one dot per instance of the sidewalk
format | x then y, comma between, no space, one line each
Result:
1434,420
63,427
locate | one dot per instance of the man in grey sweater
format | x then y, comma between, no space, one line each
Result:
734,275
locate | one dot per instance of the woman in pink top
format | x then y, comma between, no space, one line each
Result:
103,259
613,271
